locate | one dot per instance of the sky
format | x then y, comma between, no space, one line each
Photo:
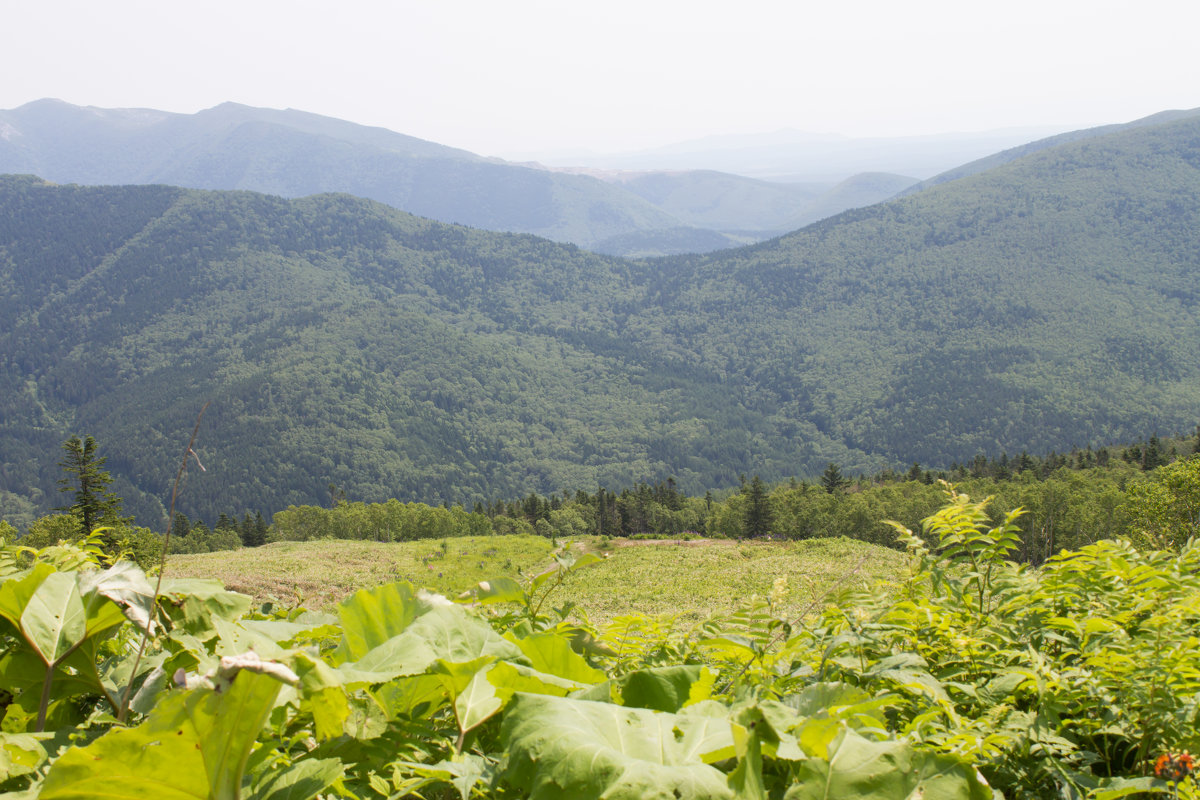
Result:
518,78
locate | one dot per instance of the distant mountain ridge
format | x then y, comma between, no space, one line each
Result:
294,154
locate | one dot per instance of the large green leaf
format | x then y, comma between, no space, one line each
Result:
195,602
415,696
889,770
20,754
300,781
562,747
54,619
194,745
23,671
407,654
551,653
456,635
476,703
496,590
16,593
370,617
125,584
511,678
666,688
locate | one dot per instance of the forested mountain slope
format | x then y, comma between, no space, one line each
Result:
738,205
1049,302
340,341
976,166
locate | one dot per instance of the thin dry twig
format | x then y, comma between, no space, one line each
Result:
123,711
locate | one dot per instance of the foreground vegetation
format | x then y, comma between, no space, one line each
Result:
978,677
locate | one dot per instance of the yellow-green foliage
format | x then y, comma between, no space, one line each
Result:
1165,508
392,521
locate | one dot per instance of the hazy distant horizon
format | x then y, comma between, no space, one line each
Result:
540,77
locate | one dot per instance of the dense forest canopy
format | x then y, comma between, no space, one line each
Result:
1047,303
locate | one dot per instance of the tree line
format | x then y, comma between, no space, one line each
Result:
1148,491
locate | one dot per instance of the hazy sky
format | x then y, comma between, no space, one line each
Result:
516,77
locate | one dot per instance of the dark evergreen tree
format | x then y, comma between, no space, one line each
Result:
181,526
259,536
756,523
1152,456
1003,469
86,477
979,466
245,530
832,479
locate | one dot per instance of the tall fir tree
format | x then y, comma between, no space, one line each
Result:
87,478
757,519
832,479
260,529
181,526
1152,456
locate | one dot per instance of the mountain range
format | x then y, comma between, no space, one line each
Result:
294,154
1044,302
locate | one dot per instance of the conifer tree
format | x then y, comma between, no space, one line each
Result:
87,478
260,529
181,526
832,479
757,520
1151,456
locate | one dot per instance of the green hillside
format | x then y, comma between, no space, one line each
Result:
1046,303
340,341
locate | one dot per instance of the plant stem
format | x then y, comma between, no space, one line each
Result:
123,711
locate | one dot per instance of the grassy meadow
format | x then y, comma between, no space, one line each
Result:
687,579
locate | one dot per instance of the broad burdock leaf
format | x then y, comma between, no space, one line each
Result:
562,747
456,635
300,781
126,585
193,745
20,754
54,619
868,770
371,617
551,653
496,590
194,603
666,688
476,703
